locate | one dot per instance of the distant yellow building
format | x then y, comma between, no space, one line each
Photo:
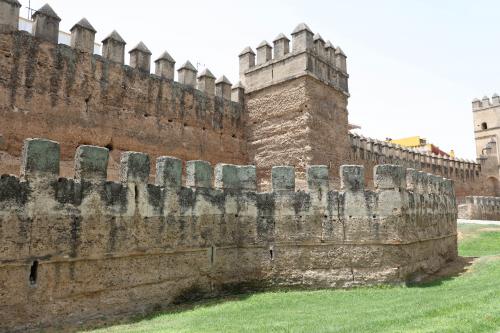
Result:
420,144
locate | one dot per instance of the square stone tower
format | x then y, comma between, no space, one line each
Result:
296,104
486,114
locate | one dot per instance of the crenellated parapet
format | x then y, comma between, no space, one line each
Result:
480,208
308,55
377,151
486,102
46,27
204,229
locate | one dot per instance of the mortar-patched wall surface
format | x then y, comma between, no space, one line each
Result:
89,250
72,96
480,208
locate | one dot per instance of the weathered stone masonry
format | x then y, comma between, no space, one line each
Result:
65,94
480,208
89,249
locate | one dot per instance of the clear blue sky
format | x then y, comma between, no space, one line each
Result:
415,66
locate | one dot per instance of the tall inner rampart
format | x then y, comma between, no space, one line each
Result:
70,95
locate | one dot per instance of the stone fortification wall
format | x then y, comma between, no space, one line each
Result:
466,174
73,96
480,208
89,249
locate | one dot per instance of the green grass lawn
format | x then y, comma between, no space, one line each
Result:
468,303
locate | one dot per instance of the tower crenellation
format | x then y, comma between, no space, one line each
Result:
9,15
140,57
281,46
165,66
83,36
206,82
113,48
46,24
264,52
187,74
310,55
223,87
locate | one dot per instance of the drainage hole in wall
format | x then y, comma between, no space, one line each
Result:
169,120
109,146
34,272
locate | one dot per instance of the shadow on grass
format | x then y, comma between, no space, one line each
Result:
449,272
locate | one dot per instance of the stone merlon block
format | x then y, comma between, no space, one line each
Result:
113,48
91,163
223,87
140,57
264,52
228,176
281,46
319,45
340,59
168,172
317,178
206,82
238,93
9,15
134,167
46,24
247,60
302,38
40,157
83,36
352,177
165,66
330,52
198,174
187,74
389,176
283,178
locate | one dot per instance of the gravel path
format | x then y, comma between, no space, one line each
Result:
478,222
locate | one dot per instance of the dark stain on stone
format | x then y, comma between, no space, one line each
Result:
218,117
14,74
12,189
75,234
113,234
56,77
67,191
114,194
30,69
155,198
187,199
301,202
